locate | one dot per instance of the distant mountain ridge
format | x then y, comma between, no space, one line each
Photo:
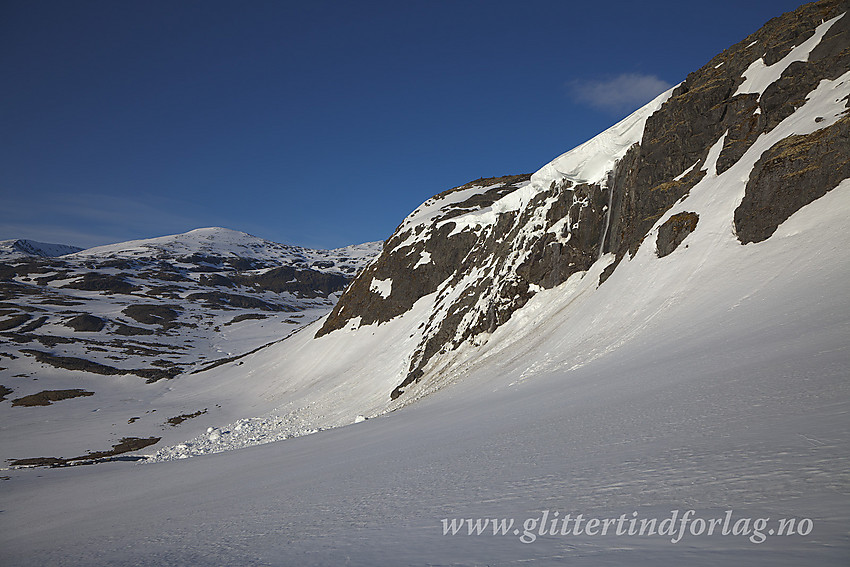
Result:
217,245
22,248
129,316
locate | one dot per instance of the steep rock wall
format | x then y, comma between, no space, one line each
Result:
483,249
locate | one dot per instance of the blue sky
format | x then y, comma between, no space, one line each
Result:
318,123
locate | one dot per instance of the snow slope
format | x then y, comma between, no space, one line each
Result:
759,76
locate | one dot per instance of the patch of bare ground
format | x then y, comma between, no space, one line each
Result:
73,363
167,291
16,307
220,300
126,445
47,397
14,321
33,325
153,314
93,281
81,364
12,290
129,331
60,301
178,419
245,317
86,323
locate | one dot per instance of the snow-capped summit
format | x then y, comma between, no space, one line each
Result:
204,241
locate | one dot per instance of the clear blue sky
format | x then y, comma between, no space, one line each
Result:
319,123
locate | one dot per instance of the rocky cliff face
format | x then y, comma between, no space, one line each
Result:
480,251
734,94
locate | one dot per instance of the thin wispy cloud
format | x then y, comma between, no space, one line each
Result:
622,93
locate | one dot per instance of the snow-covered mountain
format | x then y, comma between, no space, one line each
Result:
216,246
22,248
655,321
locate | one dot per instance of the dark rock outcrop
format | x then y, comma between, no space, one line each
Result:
86,323
674,231
704,107
94,281
790,175
540,245
47,397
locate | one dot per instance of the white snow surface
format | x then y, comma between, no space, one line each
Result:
424,258
726,391
435,206
593,160
759,76
382,287
307,386
712,379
